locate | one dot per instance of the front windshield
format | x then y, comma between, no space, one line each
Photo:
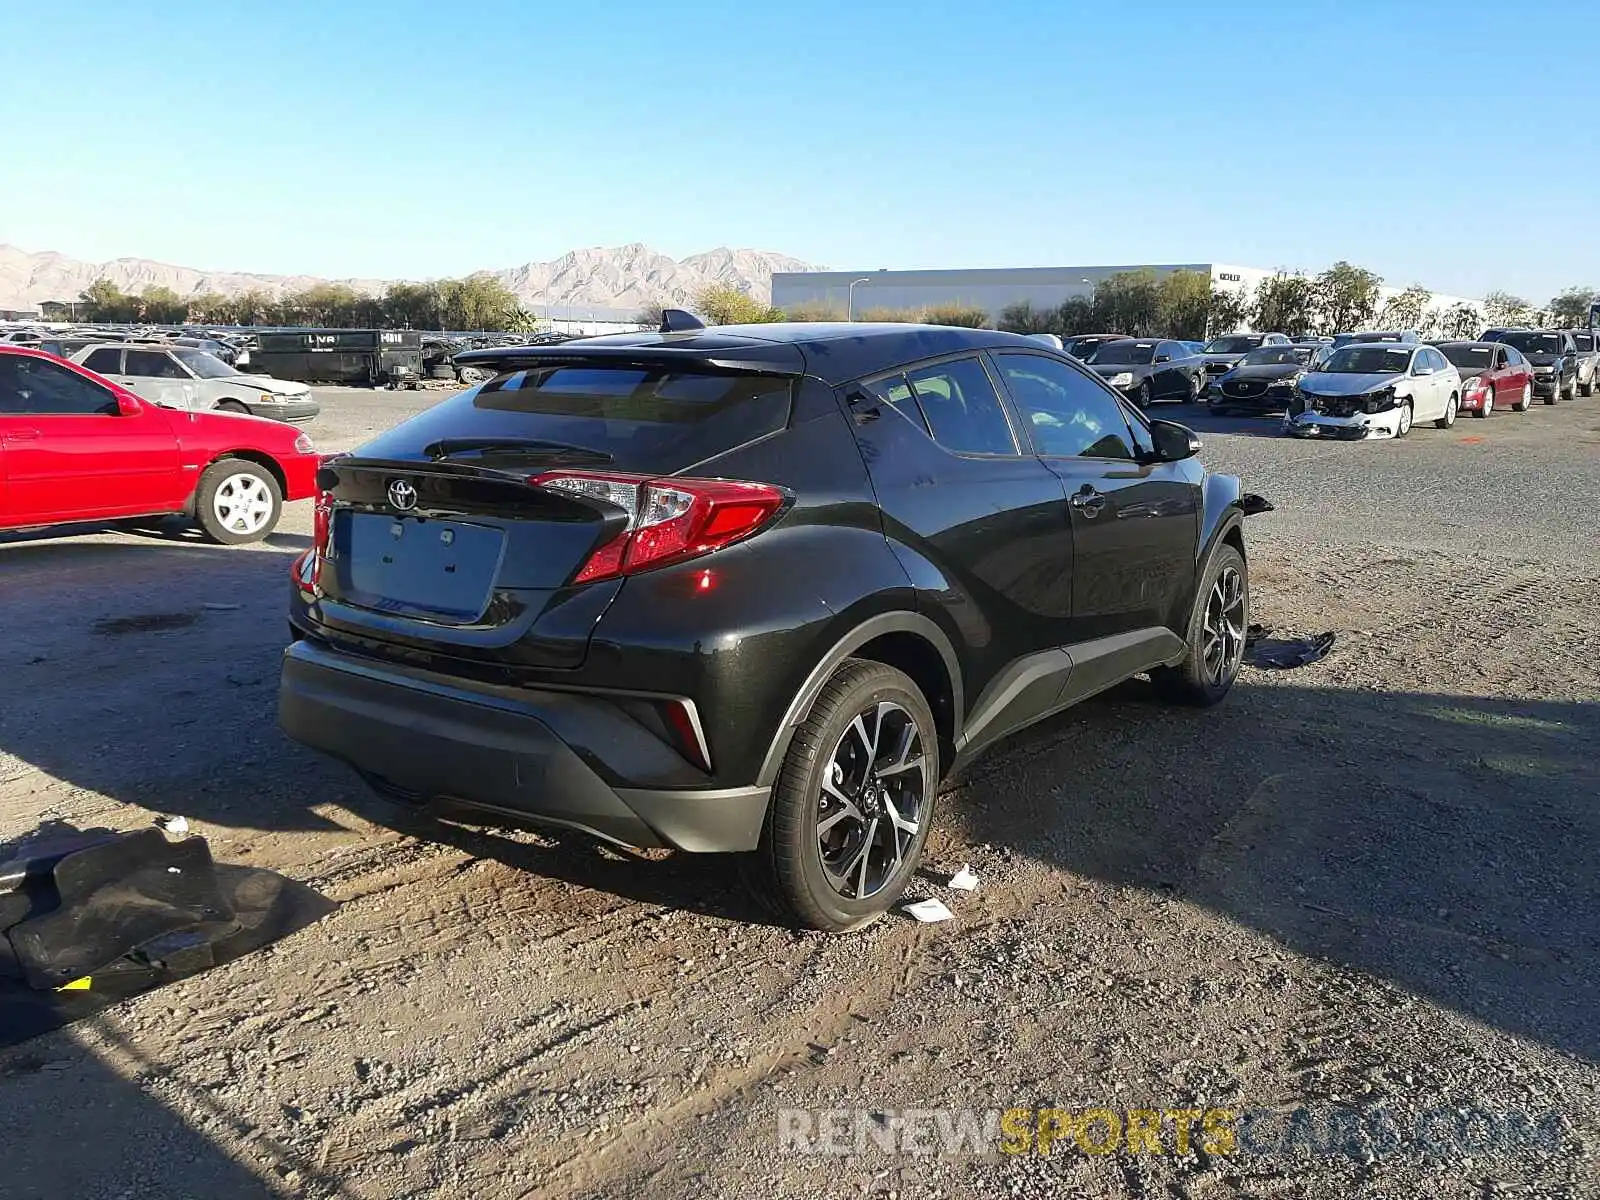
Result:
1277,356
1535,343
1231,345
1124,352
1469,358
1584,341
207,366
1367,359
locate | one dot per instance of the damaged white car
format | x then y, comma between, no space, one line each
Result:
1371,390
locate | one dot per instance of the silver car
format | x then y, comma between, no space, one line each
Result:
181,377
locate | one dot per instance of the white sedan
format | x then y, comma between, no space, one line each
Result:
1373,390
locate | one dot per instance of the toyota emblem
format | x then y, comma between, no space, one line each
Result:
402,495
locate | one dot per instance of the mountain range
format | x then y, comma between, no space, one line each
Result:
617,277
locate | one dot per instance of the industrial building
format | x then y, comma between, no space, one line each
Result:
991,289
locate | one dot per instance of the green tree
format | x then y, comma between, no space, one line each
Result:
1285,303
1129,302
1570,309
104,301
1347,297
1076,315
1023,317
721,304
1461,320
1502,308
1229,309
1185,304
162,306
964,315
1407,310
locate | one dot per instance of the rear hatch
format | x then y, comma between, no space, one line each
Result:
438,543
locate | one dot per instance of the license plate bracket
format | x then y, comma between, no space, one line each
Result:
443,570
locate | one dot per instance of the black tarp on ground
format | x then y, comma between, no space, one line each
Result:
130,911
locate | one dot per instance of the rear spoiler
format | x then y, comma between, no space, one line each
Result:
754,358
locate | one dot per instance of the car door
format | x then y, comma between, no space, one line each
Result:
1135,524
158,376
71,453
980,524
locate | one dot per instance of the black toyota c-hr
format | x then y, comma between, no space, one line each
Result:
753,589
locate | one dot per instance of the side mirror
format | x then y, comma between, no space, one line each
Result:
1160,358
1423,371
1173,442
127,406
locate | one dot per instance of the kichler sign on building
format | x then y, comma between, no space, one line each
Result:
991,289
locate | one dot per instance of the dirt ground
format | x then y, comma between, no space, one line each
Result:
1362,888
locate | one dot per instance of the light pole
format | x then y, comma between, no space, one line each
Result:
850,298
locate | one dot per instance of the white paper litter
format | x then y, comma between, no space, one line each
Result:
173,825
929,910
964,880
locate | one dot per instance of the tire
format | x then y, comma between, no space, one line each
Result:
1586,389
805,866
232,406
1524,404
1555,394
1197,681
1143,398
1407,417
237,502
1571,392
1450,409
1488,405
1194,389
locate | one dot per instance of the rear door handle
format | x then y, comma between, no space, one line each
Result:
1088,501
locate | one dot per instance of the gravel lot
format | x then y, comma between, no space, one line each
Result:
1364,886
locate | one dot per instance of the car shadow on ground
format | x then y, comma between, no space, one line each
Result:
1203,421
1443,843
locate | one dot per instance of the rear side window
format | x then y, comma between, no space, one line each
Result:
624,418
153,364
961,408
105,360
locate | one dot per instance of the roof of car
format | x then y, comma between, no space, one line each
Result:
833,351
1473,342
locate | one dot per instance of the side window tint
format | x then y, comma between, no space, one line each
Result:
36,387
896,393
1070,414
1142,441
106,361
961,408
152,364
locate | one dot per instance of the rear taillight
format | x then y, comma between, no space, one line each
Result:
306,570
669,519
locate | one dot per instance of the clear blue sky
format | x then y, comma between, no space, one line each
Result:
1450,142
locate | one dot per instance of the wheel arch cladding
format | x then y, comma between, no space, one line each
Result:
907,641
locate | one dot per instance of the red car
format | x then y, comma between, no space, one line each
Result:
76,447
1493,375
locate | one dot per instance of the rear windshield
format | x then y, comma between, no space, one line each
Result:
1469,357
642,419
1278,356
1535,343
1232,345
1124,352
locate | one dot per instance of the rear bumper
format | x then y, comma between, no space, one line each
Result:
505,752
